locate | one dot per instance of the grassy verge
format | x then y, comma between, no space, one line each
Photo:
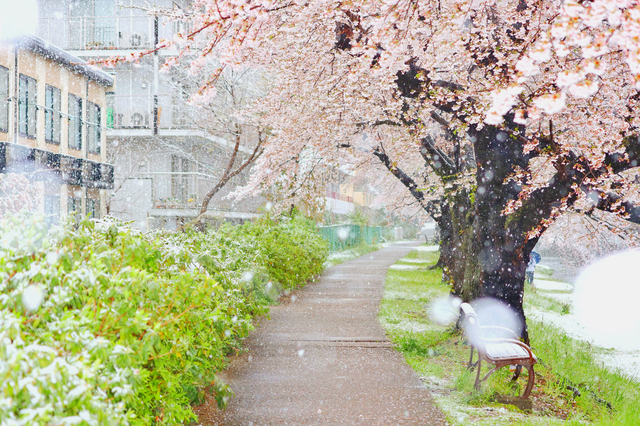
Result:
351,253
572,387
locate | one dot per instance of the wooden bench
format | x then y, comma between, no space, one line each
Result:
499,351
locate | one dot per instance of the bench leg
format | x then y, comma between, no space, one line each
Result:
516,374
471,364
532,377
477,384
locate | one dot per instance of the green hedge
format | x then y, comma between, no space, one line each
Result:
104,325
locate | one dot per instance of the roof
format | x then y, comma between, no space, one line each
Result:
57,54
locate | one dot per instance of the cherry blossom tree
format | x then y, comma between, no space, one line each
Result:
497,117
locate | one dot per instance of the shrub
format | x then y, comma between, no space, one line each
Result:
103,325
291,250
287,252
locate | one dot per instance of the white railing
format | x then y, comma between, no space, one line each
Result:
100,33
129,112
137,112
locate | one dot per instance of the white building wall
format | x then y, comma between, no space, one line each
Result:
339,206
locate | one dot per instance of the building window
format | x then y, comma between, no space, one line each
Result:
93,208
180,178
52,114
93,128
74,208
52,209
75,122
4,99
27,107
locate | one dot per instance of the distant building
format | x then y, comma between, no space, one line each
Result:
343,195
52,126
165,159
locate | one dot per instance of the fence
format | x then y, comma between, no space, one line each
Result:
341,237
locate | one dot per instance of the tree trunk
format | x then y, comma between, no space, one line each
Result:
461,210
447,244
503,249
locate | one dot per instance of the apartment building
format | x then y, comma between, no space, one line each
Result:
344,196
52,126
166,153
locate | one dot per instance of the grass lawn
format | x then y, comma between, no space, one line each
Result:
572,387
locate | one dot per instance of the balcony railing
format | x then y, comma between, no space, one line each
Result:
44,165
137,112
104,32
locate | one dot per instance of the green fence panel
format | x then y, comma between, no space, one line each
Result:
341,237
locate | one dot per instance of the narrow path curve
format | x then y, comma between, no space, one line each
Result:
324,359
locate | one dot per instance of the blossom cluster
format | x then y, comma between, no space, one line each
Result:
583,42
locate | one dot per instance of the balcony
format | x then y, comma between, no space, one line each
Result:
104,33
47,166
174,203
126,112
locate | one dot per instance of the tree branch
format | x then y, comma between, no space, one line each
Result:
614,203
228,174
407,181
573,169
436,158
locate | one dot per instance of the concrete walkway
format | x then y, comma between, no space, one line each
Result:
323,359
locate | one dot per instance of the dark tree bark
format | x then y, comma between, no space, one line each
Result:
501,254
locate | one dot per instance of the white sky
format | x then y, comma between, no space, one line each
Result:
18,17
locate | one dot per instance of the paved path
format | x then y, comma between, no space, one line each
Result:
323,359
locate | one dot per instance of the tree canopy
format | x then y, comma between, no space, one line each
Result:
496,117
358,74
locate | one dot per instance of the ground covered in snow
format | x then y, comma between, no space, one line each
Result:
621,348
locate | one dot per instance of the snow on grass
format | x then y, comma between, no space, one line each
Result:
403,295
428,248
561,297
352,253
404,267
544,269
551,285
413,260
623,349
616,353
410,326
